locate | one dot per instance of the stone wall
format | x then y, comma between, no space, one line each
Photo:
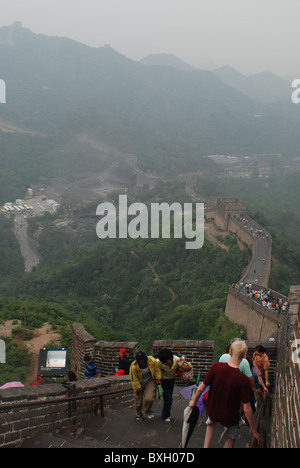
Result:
259,322
227,207
199,353
104,353
245,236
226,216
286,403
107,354
82,343
271,351
26,411
45,408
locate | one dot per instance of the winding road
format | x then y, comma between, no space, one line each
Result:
28,250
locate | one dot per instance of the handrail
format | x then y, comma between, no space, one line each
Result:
54,401
252,443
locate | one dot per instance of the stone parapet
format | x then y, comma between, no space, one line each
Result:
26,411
106,354
199,353
286,405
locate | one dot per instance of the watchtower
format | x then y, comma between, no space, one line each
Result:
227,207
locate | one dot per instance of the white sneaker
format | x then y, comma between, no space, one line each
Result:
150,415
167,420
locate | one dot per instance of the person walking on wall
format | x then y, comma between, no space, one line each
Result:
261,361
244,364
228,388
169,364
144,372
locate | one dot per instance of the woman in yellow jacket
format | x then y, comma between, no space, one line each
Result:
144,372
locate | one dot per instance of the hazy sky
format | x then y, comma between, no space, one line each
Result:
250,35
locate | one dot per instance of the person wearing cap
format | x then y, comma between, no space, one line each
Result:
144,373
124,363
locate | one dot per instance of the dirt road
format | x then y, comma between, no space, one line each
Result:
41,338
28,250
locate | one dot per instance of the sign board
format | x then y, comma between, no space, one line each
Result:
52,363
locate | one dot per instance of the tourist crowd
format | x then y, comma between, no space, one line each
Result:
264,298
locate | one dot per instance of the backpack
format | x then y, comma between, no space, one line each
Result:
188,375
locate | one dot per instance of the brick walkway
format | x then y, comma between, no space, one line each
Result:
119,429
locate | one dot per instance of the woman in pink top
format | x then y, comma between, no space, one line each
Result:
261,361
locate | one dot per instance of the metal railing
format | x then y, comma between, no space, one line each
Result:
69,399
259,414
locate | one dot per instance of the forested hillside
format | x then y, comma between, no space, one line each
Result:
140,290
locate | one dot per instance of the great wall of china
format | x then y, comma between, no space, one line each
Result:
53,407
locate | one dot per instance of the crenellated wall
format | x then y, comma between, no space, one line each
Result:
259,322
199,353
104,353
244,234
230,215
27,411
82,343
285,431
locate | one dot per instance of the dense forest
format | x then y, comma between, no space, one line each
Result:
139,290
11,258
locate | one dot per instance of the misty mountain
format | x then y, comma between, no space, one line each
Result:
263,87
58,88
167,60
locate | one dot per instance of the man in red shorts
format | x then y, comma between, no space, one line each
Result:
228,388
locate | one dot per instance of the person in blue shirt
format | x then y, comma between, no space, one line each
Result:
91,369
